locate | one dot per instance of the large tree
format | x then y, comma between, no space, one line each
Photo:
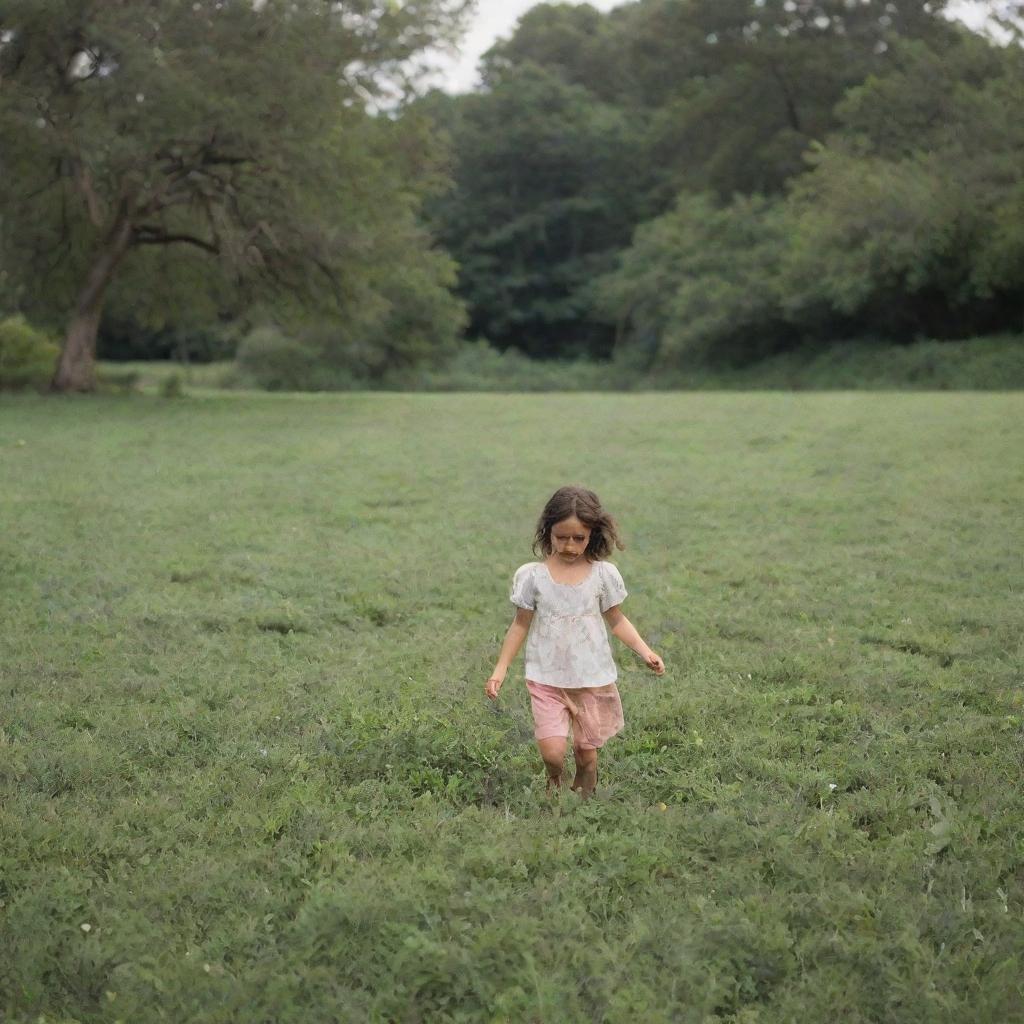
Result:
236,129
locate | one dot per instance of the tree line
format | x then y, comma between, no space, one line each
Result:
706,181
672,183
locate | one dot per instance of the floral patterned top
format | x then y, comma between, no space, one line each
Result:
568,644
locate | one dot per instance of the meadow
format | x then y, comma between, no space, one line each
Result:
248,773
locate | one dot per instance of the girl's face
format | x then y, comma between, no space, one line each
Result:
569,540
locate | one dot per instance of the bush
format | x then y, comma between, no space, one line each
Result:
387,340
977,364
27,356
173,386
477,366
267,358
402,315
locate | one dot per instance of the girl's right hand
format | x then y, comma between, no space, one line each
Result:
493,686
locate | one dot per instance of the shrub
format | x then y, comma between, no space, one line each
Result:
404,316
477,366
173,386
270,359
27,356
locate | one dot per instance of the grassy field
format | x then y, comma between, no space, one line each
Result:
247,771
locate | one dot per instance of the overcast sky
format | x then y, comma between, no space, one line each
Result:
496,18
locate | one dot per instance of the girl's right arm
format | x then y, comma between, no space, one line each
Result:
509,649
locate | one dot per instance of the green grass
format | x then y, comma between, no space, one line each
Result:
153,376
244,737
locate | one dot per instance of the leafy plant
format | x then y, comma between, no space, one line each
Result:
27,355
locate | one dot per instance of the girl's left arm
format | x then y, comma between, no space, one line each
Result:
626,632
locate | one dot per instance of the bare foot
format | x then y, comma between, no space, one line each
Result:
585,783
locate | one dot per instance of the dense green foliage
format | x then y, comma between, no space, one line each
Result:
189,161
26,355
912,220
701,282
247,770
753,175
545,199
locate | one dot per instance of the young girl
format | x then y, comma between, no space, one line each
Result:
559,602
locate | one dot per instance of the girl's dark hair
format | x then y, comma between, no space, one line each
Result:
586,507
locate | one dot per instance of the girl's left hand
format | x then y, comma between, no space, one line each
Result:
655,664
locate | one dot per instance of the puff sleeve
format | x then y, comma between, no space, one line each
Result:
613,590
524,588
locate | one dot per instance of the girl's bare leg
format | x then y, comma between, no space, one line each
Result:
586,771
552,750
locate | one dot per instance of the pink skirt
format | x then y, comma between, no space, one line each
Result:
593,713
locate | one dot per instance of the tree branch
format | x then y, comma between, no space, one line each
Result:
55,180
787,96
331,277
147,235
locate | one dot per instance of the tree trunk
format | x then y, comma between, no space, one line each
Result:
76,368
